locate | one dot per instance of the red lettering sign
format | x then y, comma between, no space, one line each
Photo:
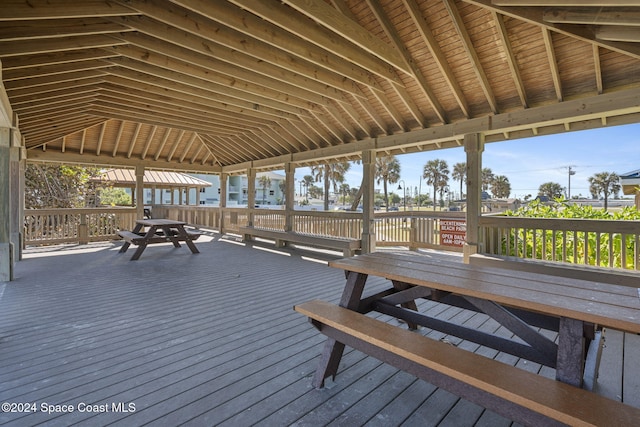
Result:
453,232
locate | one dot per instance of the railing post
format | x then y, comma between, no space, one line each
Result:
83,230
413,234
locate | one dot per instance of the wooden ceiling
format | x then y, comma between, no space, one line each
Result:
221,85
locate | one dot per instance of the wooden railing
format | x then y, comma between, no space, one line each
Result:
603,243
50,226
579,241
200,216
417,229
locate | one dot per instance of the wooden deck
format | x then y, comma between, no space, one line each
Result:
215,343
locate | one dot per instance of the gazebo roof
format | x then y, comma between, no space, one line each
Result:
630,182
223,85
159,179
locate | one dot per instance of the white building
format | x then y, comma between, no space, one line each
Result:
237,190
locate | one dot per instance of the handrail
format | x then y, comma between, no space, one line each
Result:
603,243
82,225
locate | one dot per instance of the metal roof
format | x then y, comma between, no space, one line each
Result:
159,179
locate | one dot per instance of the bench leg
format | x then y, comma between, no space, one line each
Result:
332,352
571,351
141,247
124,247
411,305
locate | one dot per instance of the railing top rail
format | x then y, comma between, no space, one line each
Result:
57,211
577,224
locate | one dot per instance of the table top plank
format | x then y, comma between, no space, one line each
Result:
159,222
609,305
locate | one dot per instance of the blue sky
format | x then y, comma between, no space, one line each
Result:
529,162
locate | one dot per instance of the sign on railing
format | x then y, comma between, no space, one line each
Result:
453,232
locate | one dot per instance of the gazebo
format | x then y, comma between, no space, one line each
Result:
630,182
156,180
244,86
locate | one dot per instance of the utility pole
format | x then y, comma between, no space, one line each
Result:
571,172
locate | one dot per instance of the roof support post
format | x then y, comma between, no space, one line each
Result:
251,194
368,220
222,203
473,147
6,187
289,195
139,196
12,169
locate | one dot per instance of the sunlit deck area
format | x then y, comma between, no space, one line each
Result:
212,339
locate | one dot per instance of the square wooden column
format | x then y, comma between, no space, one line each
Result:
139,192
6,188
222,200
289,195
251,194
368,219
473,147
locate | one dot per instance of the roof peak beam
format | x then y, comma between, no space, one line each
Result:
324,36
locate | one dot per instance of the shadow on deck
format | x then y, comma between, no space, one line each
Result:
211,339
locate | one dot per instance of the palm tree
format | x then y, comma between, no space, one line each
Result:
436,172
344,190
387,172
459,174
501,187
332,173
307,181
604,183
487,178
265,182
552,190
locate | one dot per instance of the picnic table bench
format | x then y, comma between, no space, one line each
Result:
526,303
346,245
158,231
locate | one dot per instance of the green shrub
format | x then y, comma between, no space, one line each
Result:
572,246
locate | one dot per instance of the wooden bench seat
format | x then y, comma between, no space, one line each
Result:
512,392
347,246
584,272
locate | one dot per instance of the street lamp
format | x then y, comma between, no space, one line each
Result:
403,187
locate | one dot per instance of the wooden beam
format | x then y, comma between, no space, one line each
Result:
553,63
424,86
438,55
534,15
579,3
61,9
108,161
600,16
472,54
616,33
510,58
195,32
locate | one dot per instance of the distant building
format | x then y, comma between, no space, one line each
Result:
630,183
237,190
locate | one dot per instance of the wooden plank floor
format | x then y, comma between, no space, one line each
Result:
211,339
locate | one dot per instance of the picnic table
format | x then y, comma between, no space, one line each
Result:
529,304
157,231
